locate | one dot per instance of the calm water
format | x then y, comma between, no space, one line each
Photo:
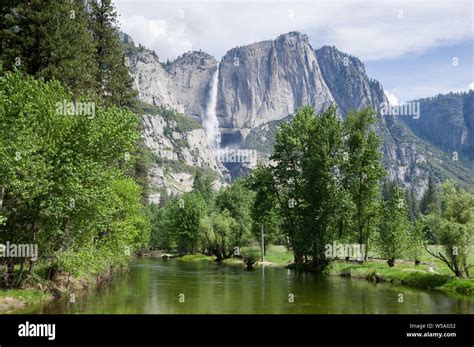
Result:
155,285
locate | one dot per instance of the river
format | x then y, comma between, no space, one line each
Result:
159,286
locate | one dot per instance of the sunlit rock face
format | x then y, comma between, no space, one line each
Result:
262,84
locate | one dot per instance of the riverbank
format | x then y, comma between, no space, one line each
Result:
43,291
405,273
13,300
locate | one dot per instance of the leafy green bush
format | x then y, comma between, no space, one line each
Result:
64,180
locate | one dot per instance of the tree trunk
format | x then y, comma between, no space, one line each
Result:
391,262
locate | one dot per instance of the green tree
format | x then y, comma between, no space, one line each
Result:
453,226
429,200
324,196
187,212
237,200
308,182
203,185
412,204
417,239
113,76
387,188
363,170
265,208
162,231
393,229
63,183
221,234
288,179
50,40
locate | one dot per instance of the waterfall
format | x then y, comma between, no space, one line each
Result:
211,125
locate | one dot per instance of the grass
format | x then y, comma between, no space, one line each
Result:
437,264
16,299
403,274
196,257
278,255
461,286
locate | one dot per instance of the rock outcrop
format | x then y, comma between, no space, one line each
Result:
268,80
178,155
447,122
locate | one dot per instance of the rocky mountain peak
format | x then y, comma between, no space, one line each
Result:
125,38
346,78
268,80
337,57
195,59
294,37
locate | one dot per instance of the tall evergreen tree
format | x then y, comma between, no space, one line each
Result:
387,188
429,201
113,77
203,185
412,205
50,40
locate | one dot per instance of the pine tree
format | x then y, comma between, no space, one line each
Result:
429,201
387,188
50,40
412,205
113,77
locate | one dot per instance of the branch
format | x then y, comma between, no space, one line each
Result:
441,257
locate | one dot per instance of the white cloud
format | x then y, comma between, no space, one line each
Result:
471,86
166,38
370,30
392,98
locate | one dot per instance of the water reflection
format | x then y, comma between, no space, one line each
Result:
154,286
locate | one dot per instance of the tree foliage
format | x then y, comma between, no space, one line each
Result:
453,226
392,238
71,42
63,176
363,171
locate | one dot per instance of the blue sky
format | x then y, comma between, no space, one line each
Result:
425,74
408,45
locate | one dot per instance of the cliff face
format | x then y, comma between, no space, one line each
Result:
189,80
151,80
447,121
268,80
352,89
262,84
346,78
179,151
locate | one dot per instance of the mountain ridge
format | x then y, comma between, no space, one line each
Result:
265,82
